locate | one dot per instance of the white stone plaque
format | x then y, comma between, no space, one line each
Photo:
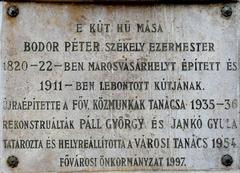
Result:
122,87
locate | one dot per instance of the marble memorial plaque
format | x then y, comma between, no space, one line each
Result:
117,87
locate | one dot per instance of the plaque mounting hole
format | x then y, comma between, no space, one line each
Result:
12,161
